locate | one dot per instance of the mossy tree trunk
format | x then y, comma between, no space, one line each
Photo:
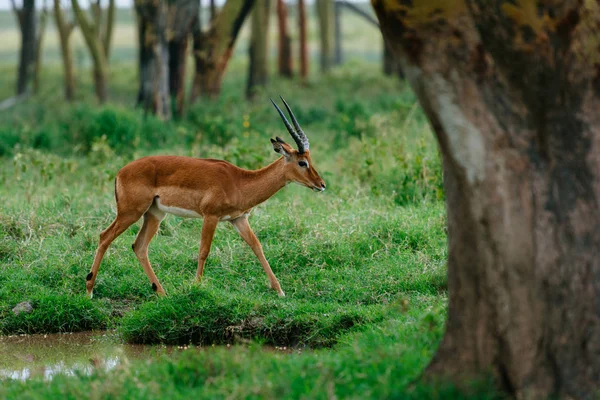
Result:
65,28
26,16
325,13
153,93
512,91
214,48
284,42
258,49
98,36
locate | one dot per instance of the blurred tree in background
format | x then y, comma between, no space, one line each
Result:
97,28
26,16
64,29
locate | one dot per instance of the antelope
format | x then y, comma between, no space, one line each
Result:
214,190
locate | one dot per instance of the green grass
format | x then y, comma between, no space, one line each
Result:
363,264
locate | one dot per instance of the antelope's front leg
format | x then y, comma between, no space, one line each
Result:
208,231
243,227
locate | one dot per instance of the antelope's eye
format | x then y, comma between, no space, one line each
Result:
303,164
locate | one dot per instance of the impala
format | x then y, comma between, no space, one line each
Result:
214,190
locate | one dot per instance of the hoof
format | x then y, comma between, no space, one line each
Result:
90,294
280,293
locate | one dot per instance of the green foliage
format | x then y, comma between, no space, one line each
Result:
208,316
341,257
55,313
363,264
381,362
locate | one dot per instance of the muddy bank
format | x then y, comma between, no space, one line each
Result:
28,356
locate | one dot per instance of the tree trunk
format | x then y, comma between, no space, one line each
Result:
391,66
326,32
512,92
38,49
153,94
258,65
97,38
100,74
303,40
284,44
65,29
107,29
183,15
338,33
213,49
26,16
213,11
198,42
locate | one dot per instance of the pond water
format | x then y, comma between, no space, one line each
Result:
28,356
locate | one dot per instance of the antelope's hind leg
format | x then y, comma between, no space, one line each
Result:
152,219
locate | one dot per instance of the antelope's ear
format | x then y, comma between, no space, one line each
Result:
279,147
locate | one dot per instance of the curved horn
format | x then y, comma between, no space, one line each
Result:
299,131
289,127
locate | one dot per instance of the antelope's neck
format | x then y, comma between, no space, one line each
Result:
259,185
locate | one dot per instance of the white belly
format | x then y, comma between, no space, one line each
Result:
180,212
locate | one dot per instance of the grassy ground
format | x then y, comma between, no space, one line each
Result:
363,264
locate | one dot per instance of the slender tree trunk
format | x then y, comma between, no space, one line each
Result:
258,65
108,28
326,22
512,93
338,33
26,15
303,40
38,49
153,94
284,42
213,51
97,36
65,29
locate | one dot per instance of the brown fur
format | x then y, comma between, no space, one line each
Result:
214,189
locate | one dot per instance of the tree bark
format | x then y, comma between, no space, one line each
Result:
153,94
26,16
284,44
512,91
303,40
214,48
65,29
326,32
258,49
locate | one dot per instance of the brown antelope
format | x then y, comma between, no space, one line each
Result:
203,188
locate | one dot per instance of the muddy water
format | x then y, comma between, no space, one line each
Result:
43,356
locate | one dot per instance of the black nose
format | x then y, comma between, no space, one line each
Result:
323,185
